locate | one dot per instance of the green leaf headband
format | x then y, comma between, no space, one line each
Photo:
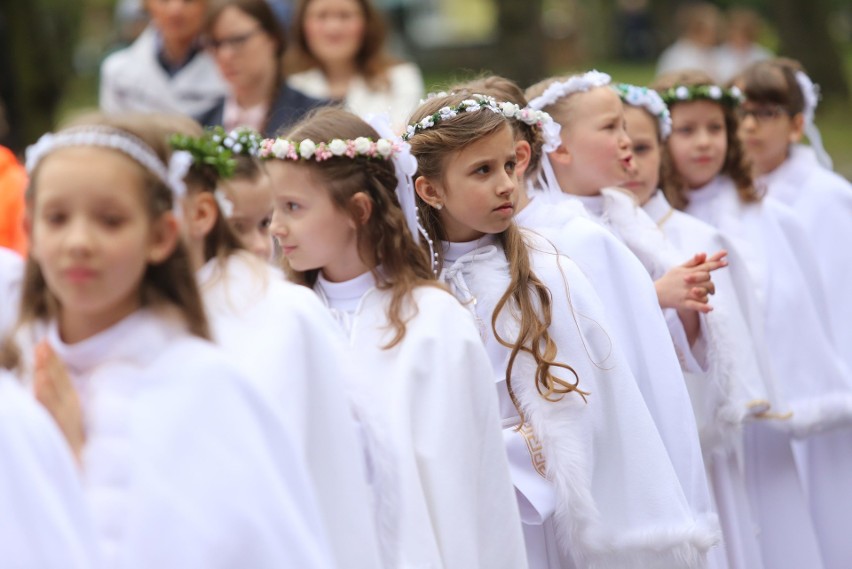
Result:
218,148
681,94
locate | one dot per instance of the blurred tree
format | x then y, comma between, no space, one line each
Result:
37,39
520,42
803,28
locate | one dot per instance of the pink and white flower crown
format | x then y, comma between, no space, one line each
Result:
283,149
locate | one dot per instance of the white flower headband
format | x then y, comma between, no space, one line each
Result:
649,100
307,149
388,147
576,84
732,97
474,104
116,139
811,95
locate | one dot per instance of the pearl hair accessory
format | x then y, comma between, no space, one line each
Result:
128,144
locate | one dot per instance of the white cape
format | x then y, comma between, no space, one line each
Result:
440,474
44,520
617,501
185,466
284,341
636,322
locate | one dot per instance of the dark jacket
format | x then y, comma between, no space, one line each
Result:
288,107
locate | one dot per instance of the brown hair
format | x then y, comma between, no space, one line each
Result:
261,12
773,82
506,90
221,241
371,60
432,147
384,239
736,166
170,282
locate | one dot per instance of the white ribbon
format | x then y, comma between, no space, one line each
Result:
810,92
405,166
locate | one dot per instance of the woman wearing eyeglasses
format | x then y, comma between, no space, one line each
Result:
247,44
165,69
338,53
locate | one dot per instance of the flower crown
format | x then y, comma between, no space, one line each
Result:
218,148
526,115
649,100
283,149
681,93
576,84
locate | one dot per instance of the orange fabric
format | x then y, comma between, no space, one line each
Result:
13,184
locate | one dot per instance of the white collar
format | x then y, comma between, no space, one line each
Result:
658,207
455,251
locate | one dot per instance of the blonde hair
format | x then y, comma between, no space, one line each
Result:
506,90
171,282
383,239
432,147
736,165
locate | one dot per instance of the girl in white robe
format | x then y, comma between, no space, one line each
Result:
437,465
584,159
710,181
738,384
184,465
278,334
594,482
779,109
44,520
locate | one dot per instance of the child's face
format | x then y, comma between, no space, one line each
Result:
91,234
642,129
698,141
311,230
766,132
252,200
479,190
597,145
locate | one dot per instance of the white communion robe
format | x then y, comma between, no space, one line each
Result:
822,201
44,521
810,376
739,384
185,466
594,480
438,468
11,276
637,324
283,340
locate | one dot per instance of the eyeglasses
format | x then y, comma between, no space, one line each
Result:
761,114
236,43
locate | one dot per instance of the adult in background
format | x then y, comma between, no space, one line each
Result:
740,49
247,43
699,25
338,53
165,69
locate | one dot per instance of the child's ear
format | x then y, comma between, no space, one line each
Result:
429,192
523,153
797,128
200,213
361,207
561,156
164,238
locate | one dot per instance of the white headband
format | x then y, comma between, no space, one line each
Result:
810,92
576,84
650,101
116,139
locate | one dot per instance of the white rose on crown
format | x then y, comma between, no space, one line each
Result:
280,148
384,147
307,148
337,147
362,145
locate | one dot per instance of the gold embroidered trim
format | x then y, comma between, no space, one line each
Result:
536,449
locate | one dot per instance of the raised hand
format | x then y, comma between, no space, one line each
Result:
54,390
689,286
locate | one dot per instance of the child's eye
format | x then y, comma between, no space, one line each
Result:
112,220
641,148
715,128
239,227
484,169
684,130
510,166
265,222
292,206
54,218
